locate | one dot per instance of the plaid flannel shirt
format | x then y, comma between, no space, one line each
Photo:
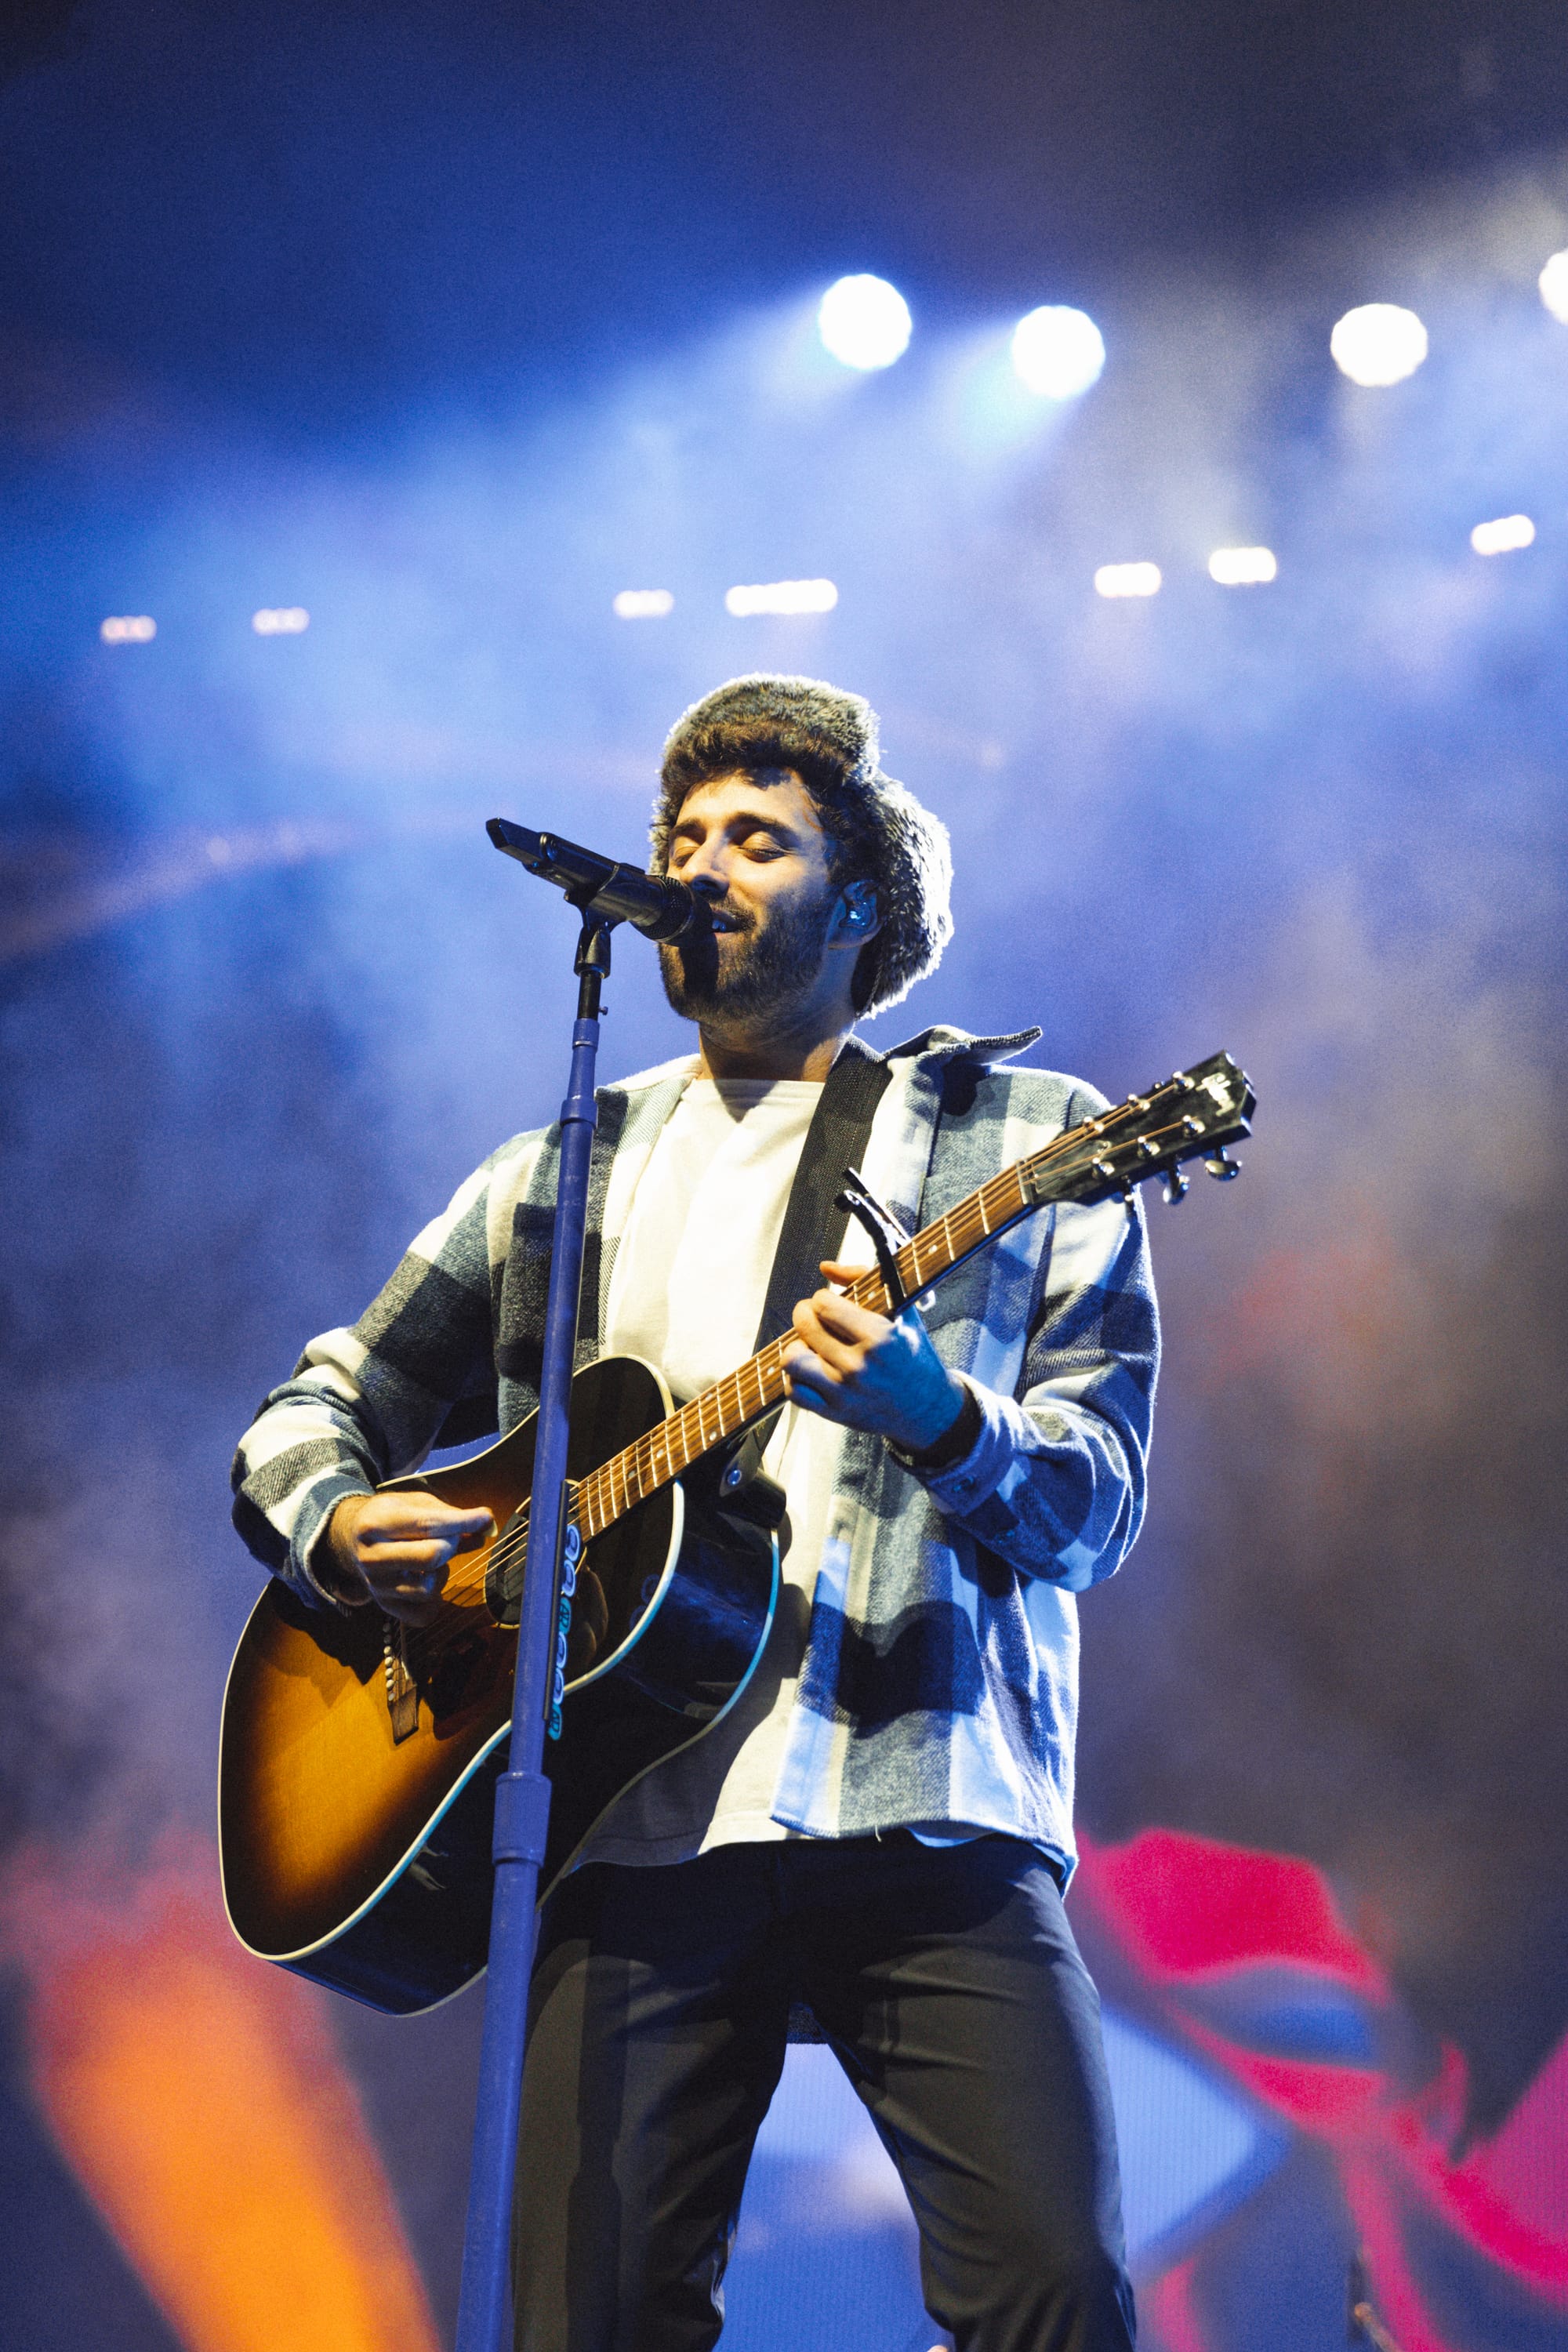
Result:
940,1681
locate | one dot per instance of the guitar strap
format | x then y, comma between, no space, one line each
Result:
835,1140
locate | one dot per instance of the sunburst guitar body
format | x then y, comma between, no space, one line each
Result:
358,1758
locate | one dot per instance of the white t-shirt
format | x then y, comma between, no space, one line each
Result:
686,1291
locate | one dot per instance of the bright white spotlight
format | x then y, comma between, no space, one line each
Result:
782,596
1553,284
1057,351
864,322
1378,344
1502,536
281,620
1243,567
1127,580
644,603
128,629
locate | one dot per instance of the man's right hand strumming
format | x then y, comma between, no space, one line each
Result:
395,1549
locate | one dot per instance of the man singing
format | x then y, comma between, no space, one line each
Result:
879,1832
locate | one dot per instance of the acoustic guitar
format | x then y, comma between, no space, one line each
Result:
359,1756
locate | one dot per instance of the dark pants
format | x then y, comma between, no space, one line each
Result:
949,1984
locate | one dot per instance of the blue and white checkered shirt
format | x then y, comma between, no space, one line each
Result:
940,1680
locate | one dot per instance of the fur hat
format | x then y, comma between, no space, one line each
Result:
877,829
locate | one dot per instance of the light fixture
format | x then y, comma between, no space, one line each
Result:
1127,580
1243,567
1378,343
128,629
281,620
1502,536
1057,351
782,596
644,603
1553,284
864,322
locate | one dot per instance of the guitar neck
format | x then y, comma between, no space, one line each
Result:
743,1397
1192,1114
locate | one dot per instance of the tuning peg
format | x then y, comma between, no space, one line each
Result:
1221,1169
1177,1186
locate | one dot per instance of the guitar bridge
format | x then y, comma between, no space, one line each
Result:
402,1690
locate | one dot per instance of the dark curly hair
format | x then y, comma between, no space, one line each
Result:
877,831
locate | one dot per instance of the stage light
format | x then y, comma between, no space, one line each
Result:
1127,580
644,603
1378,344
1056,351
864,322
1243,567
1553,284
128,629
782,596
281,620
1502,536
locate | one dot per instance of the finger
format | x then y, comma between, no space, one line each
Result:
837,1271
813,1389
458,1532
827,1311
800,1394
847,1320
407,1582
476,1522
419,1515
472,1537
842,1359
394,1559
807,1374
850,1340
828,1350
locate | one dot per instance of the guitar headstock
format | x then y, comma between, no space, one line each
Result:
1192,1116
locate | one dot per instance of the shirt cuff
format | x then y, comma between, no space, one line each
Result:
323,1575
956,1441
958,1486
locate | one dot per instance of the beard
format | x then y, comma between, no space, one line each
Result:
734,979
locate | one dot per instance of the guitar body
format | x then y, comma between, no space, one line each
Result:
356,1784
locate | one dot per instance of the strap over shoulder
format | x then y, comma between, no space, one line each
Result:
835,1140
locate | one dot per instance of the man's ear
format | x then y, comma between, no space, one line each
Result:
858,920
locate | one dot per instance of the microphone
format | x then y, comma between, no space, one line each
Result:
654,903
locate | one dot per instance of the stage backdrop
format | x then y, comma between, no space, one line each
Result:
269,996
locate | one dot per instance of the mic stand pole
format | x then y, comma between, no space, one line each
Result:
523,1793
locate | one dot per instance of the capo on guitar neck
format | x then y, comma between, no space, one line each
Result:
887,1236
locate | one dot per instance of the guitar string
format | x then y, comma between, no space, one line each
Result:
961,1229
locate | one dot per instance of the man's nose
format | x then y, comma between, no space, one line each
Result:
701,876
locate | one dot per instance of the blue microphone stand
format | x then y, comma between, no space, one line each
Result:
523,1793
